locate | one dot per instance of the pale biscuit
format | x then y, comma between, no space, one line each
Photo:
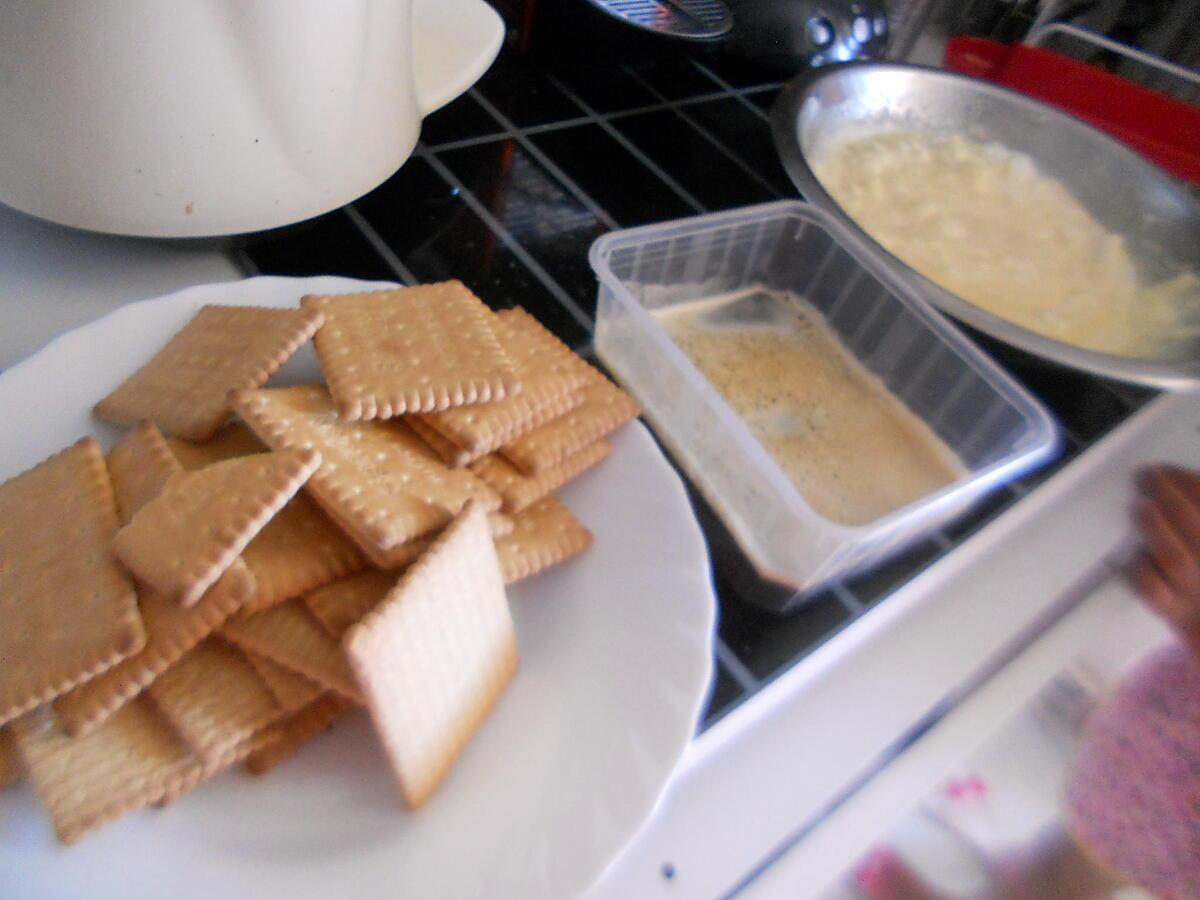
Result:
300,549
487,439
183,389
290,635
434,657
171,631
214,699
212,766
410,350
549,372
401,555
291,690
10,762
378,481
68,610
140,465
231,442
605,408
544,362
339,605
450,453
285,738
519,490
181,541
131,761
546,534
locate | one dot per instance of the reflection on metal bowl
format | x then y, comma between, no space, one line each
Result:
1157,216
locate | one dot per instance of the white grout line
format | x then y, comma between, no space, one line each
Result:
511,243
646,161
707,135
389,256
492,136
737,669
596,118
730,89
548,164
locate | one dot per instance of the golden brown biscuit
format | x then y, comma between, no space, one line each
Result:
435,655
183,389
181,541
410,350
68,611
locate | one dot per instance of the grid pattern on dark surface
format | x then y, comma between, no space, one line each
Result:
507,190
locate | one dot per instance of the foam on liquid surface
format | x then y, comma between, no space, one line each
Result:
851,448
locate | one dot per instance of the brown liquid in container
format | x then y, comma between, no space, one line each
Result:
851,448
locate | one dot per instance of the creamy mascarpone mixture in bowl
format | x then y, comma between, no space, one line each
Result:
984,223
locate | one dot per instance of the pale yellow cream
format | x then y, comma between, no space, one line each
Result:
982,222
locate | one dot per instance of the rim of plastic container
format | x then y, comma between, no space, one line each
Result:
1042,443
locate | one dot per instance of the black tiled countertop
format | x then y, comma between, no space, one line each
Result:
507,190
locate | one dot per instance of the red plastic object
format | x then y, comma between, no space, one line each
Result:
1164,130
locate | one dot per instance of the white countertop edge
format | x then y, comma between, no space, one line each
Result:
1110,618
774,766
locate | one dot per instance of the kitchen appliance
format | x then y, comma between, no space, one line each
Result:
205,117
691,20
773,35
1158,217
788,36
1163,129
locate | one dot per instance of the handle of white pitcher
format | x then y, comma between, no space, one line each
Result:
454,41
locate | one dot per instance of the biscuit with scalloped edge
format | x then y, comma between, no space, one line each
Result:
550,374
183,540
300,549
214,699
285,738
378,481
68,611
410,350
140,466
519,490
290,635
545,534
292,690
184,388
339,605
131,761
435,655
604,409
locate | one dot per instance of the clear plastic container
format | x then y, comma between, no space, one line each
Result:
997,430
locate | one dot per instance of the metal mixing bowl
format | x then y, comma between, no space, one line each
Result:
1158,216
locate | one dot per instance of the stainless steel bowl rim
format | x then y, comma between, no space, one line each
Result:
785,124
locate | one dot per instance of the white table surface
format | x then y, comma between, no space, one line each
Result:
53,279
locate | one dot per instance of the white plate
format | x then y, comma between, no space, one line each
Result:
616,660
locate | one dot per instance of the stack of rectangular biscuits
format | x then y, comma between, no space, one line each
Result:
214,592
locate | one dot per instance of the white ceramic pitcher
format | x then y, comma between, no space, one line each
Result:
202,117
